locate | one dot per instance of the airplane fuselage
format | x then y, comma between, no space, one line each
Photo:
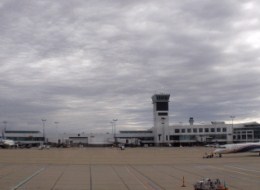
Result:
6,143
238,148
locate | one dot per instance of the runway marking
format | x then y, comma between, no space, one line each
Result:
58,179
146,180
28,179
243,169
90,177
127,169
120,178
234,171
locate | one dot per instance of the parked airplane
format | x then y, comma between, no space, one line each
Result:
6,143
237,148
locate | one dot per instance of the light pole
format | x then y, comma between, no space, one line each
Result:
232,117
114,121
3,132
112,124
232,132
43,129
5,124
57,123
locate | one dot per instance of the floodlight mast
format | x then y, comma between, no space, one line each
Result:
5,124
114,122
3,131
43,129
232,118
57,132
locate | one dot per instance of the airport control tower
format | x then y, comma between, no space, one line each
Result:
161,118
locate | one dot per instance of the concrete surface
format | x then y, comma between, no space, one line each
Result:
129,169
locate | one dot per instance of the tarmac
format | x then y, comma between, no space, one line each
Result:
151,168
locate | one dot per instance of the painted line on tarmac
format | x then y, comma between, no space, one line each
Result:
90,178
143,184
58,179
243,173
123,181
146,181
243,169
234,171
28,179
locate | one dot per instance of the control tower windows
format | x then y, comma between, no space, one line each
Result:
162,113
162,106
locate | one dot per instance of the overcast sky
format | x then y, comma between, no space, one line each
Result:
83,63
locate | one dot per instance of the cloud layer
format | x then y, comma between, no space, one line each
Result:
84,63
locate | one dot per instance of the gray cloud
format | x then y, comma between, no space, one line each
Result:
83,63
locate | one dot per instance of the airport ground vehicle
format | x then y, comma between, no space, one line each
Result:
209,184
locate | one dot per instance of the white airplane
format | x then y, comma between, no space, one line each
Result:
6,143
237,148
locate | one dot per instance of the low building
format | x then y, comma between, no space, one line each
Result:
135,138
201,134
186,135
248,132
25,137
84,139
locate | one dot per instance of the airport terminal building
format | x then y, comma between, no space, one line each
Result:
161,134
24,137
164,134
